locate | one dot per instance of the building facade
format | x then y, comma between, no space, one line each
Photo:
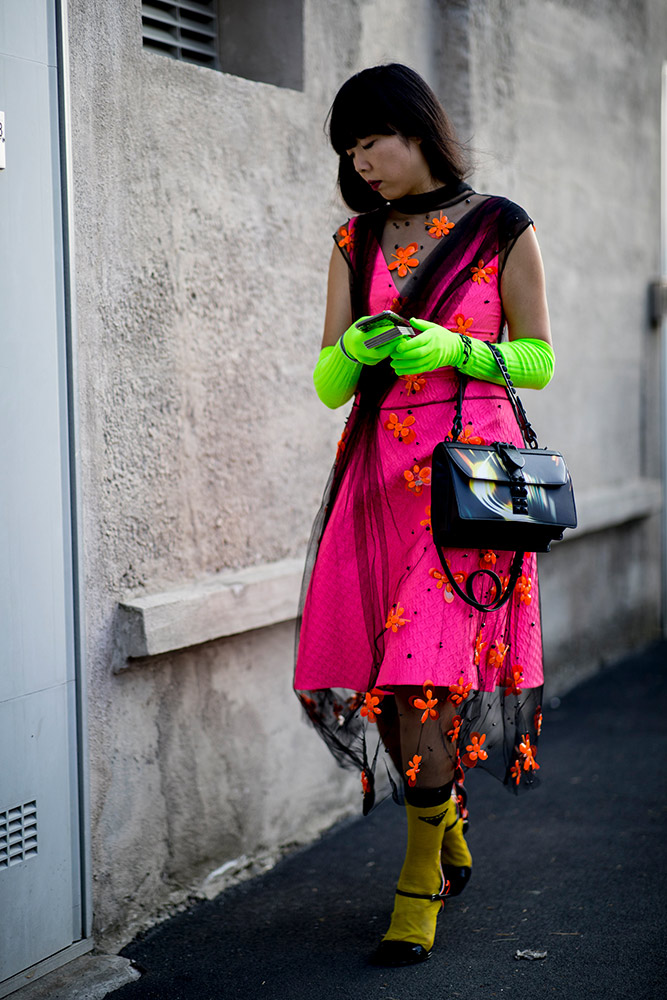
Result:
191,208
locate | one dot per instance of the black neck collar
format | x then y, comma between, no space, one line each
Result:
413,204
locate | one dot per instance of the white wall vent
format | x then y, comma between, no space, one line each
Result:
18,834
186,30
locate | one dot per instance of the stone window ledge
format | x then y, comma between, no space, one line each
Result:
218,606
238,601
610,506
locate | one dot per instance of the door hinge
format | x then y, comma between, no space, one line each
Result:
658,301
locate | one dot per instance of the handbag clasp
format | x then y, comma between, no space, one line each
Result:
514,462
510,456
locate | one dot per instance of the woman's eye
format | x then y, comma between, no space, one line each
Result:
369,144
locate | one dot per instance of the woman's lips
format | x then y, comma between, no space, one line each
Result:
375,184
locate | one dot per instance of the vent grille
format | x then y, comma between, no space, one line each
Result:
186,31
18,834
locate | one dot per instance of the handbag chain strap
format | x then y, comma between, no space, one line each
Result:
500,595
457,424
525,426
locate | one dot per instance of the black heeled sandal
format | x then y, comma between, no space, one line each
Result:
391,954
457,876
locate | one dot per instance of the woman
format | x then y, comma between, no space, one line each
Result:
386,647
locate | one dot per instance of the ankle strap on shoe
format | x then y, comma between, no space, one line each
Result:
433,897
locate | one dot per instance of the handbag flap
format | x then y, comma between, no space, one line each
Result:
476,461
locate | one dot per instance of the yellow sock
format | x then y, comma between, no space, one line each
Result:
414,919
454,848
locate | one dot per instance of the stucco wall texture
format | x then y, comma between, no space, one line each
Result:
204,205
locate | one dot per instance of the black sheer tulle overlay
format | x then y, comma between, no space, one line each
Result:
392,667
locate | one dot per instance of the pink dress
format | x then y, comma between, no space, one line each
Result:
378,611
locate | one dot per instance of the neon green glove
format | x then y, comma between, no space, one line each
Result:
435,347
353,346
338,368
335,376
530,363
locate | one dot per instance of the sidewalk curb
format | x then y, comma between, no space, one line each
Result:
91,977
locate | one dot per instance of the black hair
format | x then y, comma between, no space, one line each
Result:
391,100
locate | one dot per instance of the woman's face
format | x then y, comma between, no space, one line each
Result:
392,165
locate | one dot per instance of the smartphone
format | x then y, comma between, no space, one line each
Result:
400,328
379,319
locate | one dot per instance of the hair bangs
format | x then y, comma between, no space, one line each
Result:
361,108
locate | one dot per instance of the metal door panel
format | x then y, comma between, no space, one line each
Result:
32,516
27,31
40,859
39,906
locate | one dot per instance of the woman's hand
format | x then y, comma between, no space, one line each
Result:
354,346
435,347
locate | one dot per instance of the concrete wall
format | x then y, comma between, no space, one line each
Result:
204,205
204,208
563,111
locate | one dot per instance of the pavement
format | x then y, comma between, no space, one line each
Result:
89,977
575,868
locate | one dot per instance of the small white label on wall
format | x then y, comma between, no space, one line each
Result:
2,140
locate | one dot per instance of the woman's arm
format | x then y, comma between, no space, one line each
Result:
529,355
336,376
338,314
343,347
523,291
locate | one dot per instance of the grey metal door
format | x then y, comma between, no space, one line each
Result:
40,880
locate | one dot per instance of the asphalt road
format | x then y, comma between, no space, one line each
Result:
575,868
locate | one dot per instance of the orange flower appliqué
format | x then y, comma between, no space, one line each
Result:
462,324
394,619
402,430
514,682
413,383
426,523
487,559
413,769
453,733
439,227
515,772
524,585
468,436
340,447
309,705
449,590
404,259
371,706
481,273
474,750
438,577
496,654
365,783
459,692
345,238
528,754
538,720
417,479
427,704
479,646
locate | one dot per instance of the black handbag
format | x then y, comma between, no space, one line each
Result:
498,496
